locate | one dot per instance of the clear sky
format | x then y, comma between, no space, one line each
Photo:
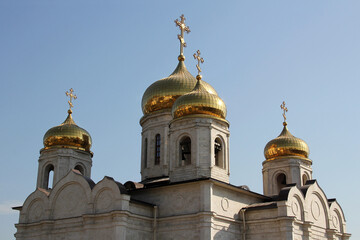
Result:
257,54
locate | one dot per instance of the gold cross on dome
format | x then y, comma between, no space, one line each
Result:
71,96
181,24
200,60
282,106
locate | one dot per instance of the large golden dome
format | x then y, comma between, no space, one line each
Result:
286,145
68,135
163,93
199,101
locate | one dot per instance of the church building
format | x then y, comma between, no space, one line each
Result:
184,191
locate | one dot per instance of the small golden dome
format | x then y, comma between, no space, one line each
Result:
286,145
68,135
163,93
199,101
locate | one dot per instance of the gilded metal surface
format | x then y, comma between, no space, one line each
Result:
199,59
71,96
282,106
68,134
183,28
286,145
199,101
163,93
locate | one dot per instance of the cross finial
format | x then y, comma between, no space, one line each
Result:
181,24
71,96
200,60
282,106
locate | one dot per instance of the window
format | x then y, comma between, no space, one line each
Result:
185,151
281,181
219,153
51,179
48,177
80,169
304,179
157,149
145,152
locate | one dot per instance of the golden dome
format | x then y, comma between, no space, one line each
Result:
286,145
163,93
199,101
68,135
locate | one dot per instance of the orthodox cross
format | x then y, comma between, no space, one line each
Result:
282,106
72,96
200,60
181,24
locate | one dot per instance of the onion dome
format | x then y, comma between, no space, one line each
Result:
68,135
286,145
162,94
199,101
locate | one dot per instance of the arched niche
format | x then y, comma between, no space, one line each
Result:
219,152
184,155
280,181
48,176
81,168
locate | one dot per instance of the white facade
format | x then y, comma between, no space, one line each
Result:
155,125
203,132
204,209
194,201
60,161
295,170
184,193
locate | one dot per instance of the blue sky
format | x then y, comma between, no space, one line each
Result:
257,54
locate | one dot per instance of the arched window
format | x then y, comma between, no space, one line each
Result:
157,149
145,152
304,179
185,151
51,179
281,181
80,169
219,153
48,177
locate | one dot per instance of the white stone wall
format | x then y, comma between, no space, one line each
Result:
227,201
202,132
63,160
198,210
292,167
78,209
183,210
177,199
303,214
157,123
